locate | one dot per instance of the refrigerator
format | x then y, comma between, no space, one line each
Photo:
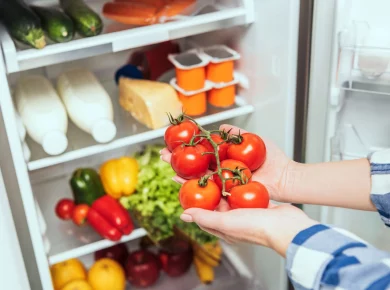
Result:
310,73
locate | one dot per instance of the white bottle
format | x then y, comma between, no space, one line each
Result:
88,104
22,136
42,112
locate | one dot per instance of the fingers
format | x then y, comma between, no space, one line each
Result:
166,155
220,235
178,179
234,129
223,206
204,218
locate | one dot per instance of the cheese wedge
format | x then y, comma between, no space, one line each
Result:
149,101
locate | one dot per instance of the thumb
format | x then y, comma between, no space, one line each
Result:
203,218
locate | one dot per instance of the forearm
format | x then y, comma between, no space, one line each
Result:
343,184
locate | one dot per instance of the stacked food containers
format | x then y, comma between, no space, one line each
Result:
205,75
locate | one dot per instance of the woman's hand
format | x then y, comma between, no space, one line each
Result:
273,173
274,227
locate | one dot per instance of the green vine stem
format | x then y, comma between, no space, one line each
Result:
207,135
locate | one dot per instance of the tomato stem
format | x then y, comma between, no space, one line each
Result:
216,154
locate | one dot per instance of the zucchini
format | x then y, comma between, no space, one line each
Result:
22,23
58,25
87,21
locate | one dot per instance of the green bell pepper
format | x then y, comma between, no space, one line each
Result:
86,186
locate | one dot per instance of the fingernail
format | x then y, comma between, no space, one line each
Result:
161,157
160,151
186,218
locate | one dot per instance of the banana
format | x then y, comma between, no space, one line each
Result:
212,250
206,258
205,272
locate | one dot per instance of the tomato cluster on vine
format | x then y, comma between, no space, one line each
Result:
216,164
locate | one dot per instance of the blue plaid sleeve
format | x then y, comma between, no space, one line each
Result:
380,183
324,257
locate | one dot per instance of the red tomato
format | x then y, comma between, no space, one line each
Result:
222,149
64,208
188,161
251,151
232,164
79,215
250,195
175,135
192,194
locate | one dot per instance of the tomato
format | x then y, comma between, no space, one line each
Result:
175,135
232,164
222,149
251,151
250,195
192,194
188,161
79,215
64,208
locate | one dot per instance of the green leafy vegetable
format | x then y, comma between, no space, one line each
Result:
155,204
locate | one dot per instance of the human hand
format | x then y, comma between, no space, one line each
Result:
273,173
274,227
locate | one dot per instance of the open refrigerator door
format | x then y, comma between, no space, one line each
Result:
349,98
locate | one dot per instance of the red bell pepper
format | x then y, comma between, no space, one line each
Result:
115,216
103,227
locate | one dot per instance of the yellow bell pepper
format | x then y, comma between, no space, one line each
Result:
119,176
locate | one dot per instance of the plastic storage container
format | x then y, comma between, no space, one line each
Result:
190,70
42,112
221,63
88,104
194,102
223,95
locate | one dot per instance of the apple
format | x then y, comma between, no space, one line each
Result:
117,252
142,268
176,257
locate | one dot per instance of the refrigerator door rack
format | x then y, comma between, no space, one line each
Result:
363,123
364,58
118,37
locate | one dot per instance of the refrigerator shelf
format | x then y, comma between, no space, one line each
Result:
117,37
93,247
363,124
129,132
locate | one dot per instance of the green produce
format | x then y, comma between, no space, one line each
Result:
87,21
58,25
86,186
22,23
155,204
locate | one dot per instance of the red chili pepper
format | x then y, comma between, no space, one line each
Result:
102,226
114,213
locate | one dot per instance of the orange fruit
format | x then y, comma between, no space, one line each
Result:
107,274
77,285
64,272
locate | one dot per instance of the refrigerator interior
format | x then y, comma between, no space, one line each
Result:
265,33
353,108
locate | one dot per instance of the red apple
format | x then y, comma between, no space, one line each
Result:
176,257
142,268
117,252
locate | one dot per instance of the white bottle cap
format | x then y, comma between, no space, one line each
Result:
54,143
103,131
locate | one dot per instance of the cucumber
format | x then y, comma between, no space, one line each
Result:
22,23
87,21
58,25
